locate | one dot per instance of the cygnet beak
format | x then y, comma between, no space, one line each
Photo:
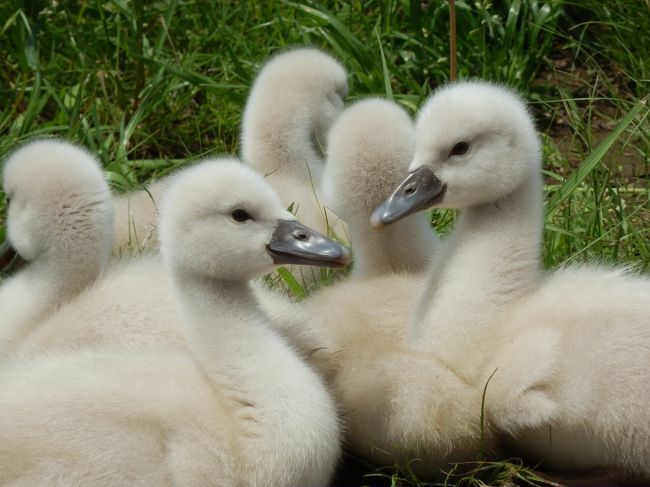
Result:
294,243
10,261
419,191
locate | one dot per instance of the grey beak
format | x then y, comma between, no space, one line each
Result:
10,261
294,243
419,191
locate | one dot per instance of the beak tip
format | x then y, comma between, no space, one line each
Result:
420,190
346,256
377,220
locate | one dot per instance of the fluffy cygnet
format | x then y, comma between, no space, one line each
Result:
294,100
242,410
476,150
292,104
59,222
569,350
369,149
398,404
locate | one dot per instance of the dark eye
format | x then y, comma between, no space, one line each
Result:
459,149
240,215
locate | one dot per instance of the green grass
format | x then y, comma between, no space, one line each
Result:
149,86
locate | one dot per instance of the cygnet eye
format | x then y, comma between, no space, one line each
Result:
459,149
240,215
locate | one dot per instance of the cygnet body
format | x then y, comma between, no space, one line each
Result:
131,305
567,351
59,219
242,410
398,404
590,409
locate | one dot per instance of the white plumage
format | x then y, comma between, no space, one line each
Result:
369,149
243,410
571,349
59,219
398,404
293,102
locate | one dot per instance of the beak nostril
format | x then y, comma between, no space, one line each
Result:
300,236
409,190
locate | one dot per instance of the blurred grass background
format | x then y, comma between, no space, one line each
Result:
149,86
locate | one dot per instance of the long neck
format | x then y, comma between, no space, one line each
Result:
491,260
38,290
406,246
217,318
289,145
228,336
278,405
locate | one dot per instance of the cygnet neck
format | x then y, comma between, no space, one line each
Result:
40,288
492,259
226,333
215,307
297,156
405,246
271,392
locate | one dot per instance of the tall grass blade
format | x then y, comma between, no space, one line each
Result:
294,286
592,161
387,85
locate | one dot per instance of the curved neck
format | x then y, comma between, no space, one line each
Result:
38,290
247,361
492,258
291,147
224,329
214,310
405,246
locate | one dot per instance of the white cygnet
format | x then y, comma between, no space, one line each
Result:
369,149
567,350
293,102
398,404
59,222
241,409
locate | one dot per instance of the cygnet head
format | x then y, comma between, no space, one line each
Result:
293,102
60,207
221,220
369,150
475,143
